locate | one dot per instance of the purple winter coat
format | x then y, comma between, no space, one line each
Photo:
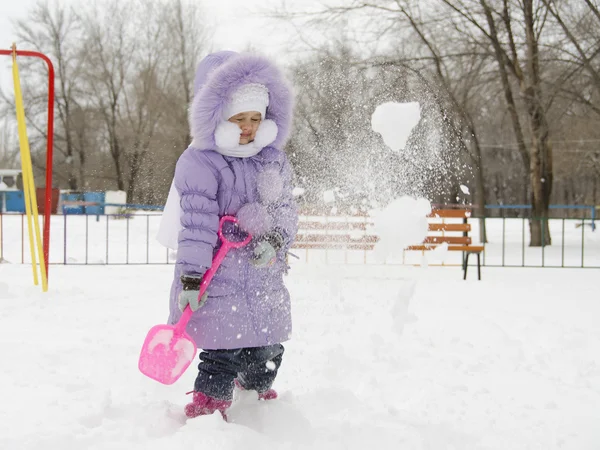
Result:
246,306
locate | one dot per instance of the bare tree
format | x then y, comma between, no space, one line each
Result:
110,52
142,100
517,55
479,49
580,50
54,30
334,148
140,77
9,148
171,46
495,78
188,39
456,71
453,66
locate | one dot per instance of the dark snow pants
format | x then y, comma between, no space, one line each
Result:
255,369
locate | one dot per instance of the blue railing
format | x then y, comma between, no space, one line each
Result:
136,206
101,207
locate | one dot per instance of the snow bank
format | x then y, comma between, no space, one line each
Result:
402,223
382,358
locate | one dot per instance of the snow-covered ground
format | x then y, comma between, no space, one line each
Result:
382,357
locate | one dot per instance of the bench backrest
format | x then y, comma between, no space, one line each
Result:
356,233
445,221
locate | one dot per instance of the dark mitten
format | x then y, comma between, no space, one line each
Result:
265,249
191,292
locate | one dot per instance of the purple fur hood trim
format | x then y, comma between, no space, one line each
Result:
218,83
207,65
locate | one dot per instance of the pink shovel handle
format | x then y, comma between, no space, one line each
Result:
226,245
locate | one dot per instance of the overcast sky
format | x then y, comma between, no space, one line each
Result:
237,23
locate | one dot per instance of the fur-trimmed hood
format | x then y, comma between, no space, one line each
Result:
218,76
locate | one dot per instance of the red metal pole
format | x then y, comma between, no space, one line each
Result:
49,147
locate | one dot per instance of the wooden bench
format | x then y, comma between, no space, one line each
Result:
448,226
460,241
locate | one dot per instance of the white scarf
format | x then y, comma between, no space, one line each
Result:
241,151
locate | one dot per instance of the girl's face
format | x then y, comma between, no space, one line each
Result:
248,122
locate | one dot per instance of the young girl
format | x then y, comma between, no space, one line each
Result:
240,119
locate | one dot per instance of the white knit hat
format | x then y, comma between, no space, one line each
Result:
248,97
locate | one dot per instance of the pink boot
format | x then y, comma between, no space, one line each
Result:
271,394
203,405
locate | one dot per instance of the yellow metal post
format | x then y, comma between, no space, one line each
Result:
28,182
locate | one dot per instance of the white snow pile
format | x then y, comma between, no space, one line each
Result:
399,311
435,256
382,358
329,196
402,223
298,191
394,121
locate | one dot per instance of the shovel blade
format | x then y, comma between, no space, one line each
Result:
166,355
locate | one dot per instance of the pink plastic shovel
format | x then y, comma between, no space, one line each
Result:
168,350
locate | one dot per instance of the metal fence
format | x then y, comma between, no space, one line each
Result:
130,239
574,244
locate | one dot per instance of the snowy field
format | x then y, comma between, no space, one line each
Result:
382,357
84,240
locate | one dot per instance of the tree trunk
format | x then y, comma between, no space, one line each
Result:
116,154
540,172
71,176
541,186
82,161
70,160
477,158
480,197
134,168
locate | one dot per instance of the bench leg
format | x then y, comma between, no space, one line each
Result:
479,266
466,265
